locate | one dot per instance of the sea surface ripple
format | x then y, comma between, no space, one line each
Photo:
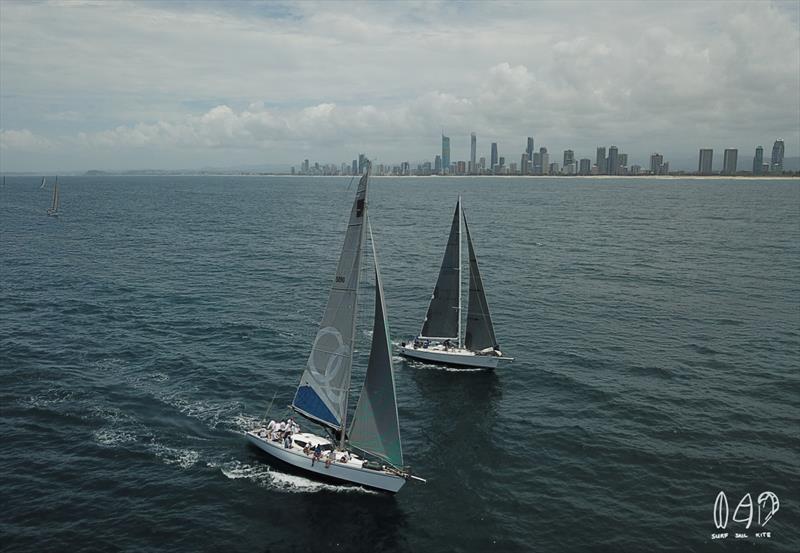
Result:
655,326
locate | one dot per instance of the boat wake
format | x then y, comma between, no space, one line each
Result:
280,481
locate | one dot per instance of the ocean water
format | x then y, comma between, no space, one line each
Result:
655,325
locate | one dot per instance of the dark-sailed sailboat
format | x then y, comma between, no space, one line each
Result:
441,339
369,452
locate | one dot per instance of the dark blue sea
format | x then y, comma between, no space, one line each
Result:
655,326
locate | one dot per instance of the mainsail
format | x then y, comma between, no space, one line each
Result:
480,331
324,386
444,313
376,427
54,207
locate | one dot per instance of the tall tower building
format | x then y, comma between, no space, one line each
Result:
445,154
706,159
613,161
362,163
494,156
473,150
529,151
601,160
569,158
656,162
524,162
729,160
758,161
437,165
544,159
586,166
776,165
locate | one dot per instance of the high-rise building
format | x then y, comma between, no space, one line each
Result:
569,157
362,163
553,169
523,164
601,160
758,161
612,164
586,166
355,166
437,165
776,165
623,161
529,151
445,153
494,156
729,160
473,150
536,164
544,161
704,166
656,162
482,164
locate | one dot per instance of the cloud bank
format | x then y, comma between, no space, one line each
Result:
161,85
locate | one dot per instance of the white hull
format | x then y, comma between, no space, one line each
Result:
351,472
452,356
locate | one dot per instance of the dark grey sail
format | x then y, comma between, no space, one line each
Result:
444,311
480,331
376,427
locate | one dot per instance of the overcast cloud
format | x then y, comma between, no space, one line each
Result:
125,85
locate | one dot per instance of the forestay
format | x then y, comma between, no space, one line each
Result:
322,393
480,331
376,427
442,319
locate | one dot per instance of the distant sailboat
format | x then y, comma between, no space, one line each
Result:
55,206
324,389
441,339
44,182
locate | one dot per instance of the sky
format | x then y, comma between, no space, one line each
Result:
186,85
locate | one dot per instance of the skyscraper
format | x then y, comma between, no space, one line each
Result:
355,167
569,157
362,163
523,164
544,160
601,160
445,153
656,162
494,157
613,161
776,165
706,159
473,147
758,161
536,164
729,159
529,151
586,166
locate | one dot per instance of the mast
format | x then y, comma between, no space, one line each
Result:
460,342
355,318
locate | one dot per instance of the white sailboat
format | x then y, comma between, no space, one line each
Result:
441,339
369,452
53,211
44,182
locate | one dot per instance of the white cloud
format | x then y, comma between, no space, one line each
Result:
334,78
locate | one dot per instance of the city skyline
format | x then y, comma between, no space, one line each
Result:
533,163
115,86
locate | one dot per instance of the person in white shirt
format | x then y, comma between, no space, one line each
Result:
271,429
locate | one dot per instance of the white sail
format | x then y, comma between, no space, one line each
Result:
376,426
325,384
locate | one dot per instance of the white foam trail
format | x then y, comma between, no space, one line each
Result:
183,458
279,481
113,437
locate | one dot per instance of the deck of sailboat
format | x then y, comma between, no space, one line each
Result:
452,356
352,472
